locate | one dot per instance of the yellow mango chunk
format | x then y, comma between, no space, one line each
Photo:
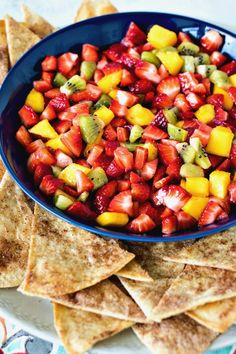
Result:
110,81
180,124
171,60
195,206
113,94
234,179
220,141
35,100
197,186
56,143
112,219
228,102
68,174
183,183
152,151
219,181
139,115
232,80
105,114
160,37
205,113
44,130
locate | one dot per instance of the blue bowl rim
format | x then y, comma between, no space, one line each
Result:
93,229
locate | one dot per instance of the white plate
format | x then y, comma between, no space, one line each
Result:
35,316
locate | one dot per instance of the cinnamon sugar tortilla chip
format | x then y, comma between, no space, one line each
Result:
133,270
64,259
4,64
19,39
92,8
79,331
2,170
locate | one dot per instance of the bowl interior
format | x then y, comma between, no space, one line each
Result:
102,32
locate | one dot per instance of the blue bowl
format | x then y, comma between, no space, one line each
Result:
101,31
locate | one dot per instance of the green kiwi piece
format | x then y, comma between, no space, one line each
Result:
90,127
220,78
131,146
83,197
188,48
202,58
62,200
202,159
189,63
56,170
195,143
135,133
176,133
150,58
59,80
187,152
206,70
104,100
98,177
87,69
170,115
191,170
75,83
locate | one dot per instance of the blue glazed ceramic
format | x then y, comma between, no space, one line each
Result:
101,31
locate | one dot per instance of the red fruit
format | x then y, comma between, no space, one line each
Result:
232,93
118,122
115,51
185,221
166,213
41,170
67,115
62,126
149,169
223,216
103,161
233,156
223,203
101,203
141,86
229,68
28,116
110,133
173,169
159,196
81,211
154,133
122,134
176,197
63,159
220,115
201,89
140,191
181,103
159,183
134,36
102,62
108,190
66,62
217,58
49,63
126,98
42,86
114,170
162,101
97,76
167,153
160,120
127,78
94,153
110,68
188,81
118,109
203,133
145,70
60,103
163,72
206,82
124,158
32,162
44,156
73,140
123,185
23,136
149,97
128,61
48,77
170,86
232,192
135,178
144,47
224,166
210,213
34,145
170,142
110,147
147,209
50,184
211,41
48,113
89,52
169,225
84,184
216,99
184,37
73,71
122,203
79,108
215,160
143,223
194,100
52,93
140,157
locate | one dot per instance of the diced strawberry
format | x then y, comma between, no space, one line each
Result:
148,209
211,41
102,62
229,68
110,133
80,108
97,76
217,58
66,62
89,52
73,140
110,68
232,191
152,132
81,211
52,93
181,103
23,136
163,72
184,37
94,153
135,178
28,116
124,158
166,213
159,183
169,86
160,120
141,224
34,145
127,78
210,213
42,86
118,122
50,184
145,70
160,173
84,184
194,100
110,147
187,81
48,113
122,203
144,47
232,93
224,166
115,51
128,60
215,160
220,115
118,109
49,63
41,170
32,162
114,170
62,126
63,159
185,221
162,101
74,71
141,86
167,153
173,169
140,191
159,196
216,99
103,161
60,103
44,156
149,97
126,98
140,157
206,82
67,115
134,36
149,169
170,142
169,225
223,216
93,91
48,77
233,156
101,203
203,133
176,197
201,89
123,185
122,134
108,190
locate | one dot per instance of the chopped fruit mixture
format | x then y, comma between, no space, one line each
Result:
139,136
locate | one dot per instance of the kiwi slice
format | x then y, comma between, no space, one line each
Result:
202,58
75,83
170,115
87,69
131,146
56,170
83,197
189,63
98,177
104,100
187,152
176,133
167,49
220,78
188,48
202,159
90,127
150,57
191,170
59,80
62,200
195,143
206,70
135,133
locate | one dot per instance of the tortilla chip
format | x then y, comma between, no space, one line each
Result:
2,170
4,63
80,330
92,8
133,270
196,286
218,316
15,230
217,251
19,39
64,259
36,23
177,335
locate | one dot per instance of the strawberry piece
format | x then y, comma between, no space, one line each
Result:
211,41
84,184
167,153
74,71
141,86
173,169
93,91
188,81
114,170
73,140
159,183
233,156
145,70
144,47
210,213
140,157
123,185
50,184
94,153
140,191
149,97
63,159
127,78
48,113
110,68
201,89
128,60
126,98
122,203
169,86
220,115
169,225
81,211
110,133
225,165
229,68
232,93
135,178
62,126
176,197
42,86
223,216
152,132
23,136
118,109
160,173
163,72
102,62
194,100
170,142
160,120
184,37
80,108
206,82
28,116
67,116
89,52
124,158
166,213
101,203
103,161
48,77
32,162
147,209
232,192
217,58
110,147
66,62
41,170
44,156
142,223
122,134
149,169
60,103
216,99
181,103
159,196
185,221
118,122
97,76
34,145
52,93
203,133
215,160
115,51
108,190
134,36
162,101
49,63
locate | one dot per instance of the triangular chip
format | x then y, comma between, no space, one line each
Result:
217,251
64,259
218,316
2,170
133,270
79,330
105,299
4,64
15,230
196,286
92,8
19,39
36,23
177,335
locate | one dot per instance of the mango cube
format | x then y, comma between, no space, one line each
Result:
195,206
68,174
56,143
113,94
110,81
105,114
183,183
171,60
228,102
109,219
197,186
35,100
139,115
219,181
234,178
160,37
205,113
220,141
44,130
152,151
180,124
232,80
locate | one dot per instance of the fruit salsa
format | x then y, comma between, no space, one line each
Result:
138,136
